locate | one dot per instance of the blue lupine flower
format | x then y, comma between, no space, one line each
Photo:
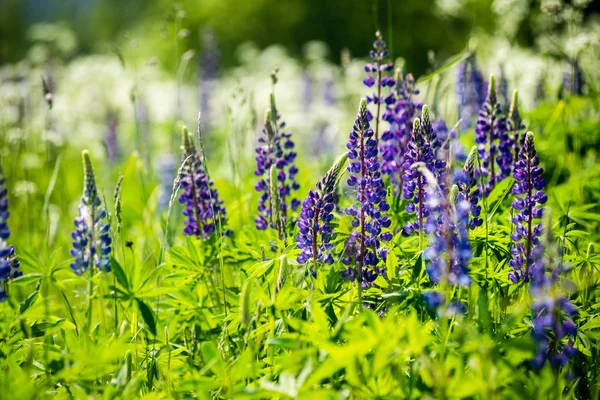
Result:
430,134
275,148
515,126
449,251
470,90
208,68
469,190
414,190
111,141
394,141
554,330
316,216
528,205
369,221
203,207
491,138
9,264
379,75
91,237
573,78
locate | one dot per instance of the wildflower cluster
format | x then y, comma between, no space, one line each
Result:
316,216
9,264
528,202
204,210
91,237
369,220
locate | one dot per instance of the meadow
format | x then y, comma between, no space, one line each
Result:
299,229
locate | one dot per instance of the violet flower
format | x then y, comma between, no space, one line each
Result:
9,264
394,141
492,139
316,216
515,126
111,141
528,202
91,237
449,251
470,89
379,75
203,209
275,148
208,72
469,190
573,78
363,251
554,330
414,190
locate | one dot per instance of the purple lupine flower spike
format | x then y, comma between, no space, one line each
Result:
554,330
275,147
379,75
495,150
515,126
413,190
111,141
91,237
430,134
470,89
395,140
528,203
9,264
469,190
369,221
204,210
208,72
316,216
573,78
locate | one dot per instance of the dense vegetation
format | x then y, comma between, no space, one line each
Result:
396,238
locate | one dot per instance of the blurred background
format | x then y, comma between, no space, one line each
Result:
412,28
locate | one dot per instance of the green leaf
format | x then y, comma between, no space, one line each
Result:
28,302
391,265
119,273
148,316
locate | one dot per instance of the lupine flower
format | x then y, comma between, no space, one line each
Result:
573,78
208,72
395,140
204,210
363,245
413,190
91,237
492,139
449,251
9,264
275,148
554,330
379,75
111,141
316,217
166,172
430,134
469,190
470,89
528,205
515,126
